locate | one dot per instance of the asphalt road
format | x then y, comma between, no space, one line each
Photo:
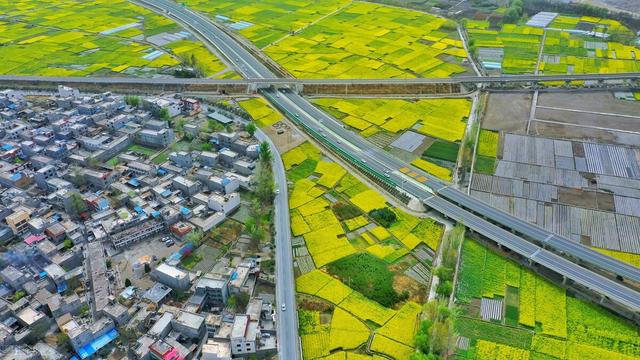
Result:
287,321
432,191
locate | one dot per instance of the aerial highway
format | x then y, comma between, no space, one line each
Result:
274,81
528,240
375,161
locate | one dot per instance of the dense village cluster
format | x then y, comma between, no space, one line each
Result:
80,189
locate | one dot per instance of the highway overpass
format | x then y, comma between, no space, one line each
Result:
526,239
266,82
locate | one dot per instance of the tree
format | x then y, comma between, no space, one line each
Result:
93,162
84,309
78,178
241,301
421,340
68,244
195,237
441,337
213,125
251,128
179,124
77,203
264,186
444,273
109,264
18,295
383,216
63,342
196,144
127,336
132,100
423,356
268,265
265,152
38,331
511,16
444,288
256,232
127,282
164,114
232,301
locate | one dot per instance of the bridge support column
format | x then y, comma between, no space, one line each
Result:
564,280
251,88
299,88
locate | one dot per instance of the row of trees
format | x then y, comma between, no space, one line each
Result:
192,67
260,212
514,12
436,337
445,271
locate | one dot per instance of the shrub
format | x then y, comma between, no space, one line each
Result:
383,216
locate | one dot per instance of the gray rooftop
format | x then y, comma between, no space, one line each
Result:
157,292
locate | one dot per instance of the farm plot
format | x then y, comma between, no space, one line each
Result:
511,49
433,169
402,326
571,53
350,305
322,224
442,119
442,150
439,118
269,20
487,152
541,320
347,332
81,38
365,40
330,215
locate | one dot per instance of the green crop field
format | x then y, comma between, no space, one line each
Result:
487,152
576,54
81,38
368,275
569,48
443,150
541,320
520,45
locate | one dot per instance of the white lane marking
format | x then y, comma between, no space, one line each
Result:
317,123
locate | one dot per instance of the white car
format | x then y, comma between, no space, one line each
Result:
284,307
277,191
